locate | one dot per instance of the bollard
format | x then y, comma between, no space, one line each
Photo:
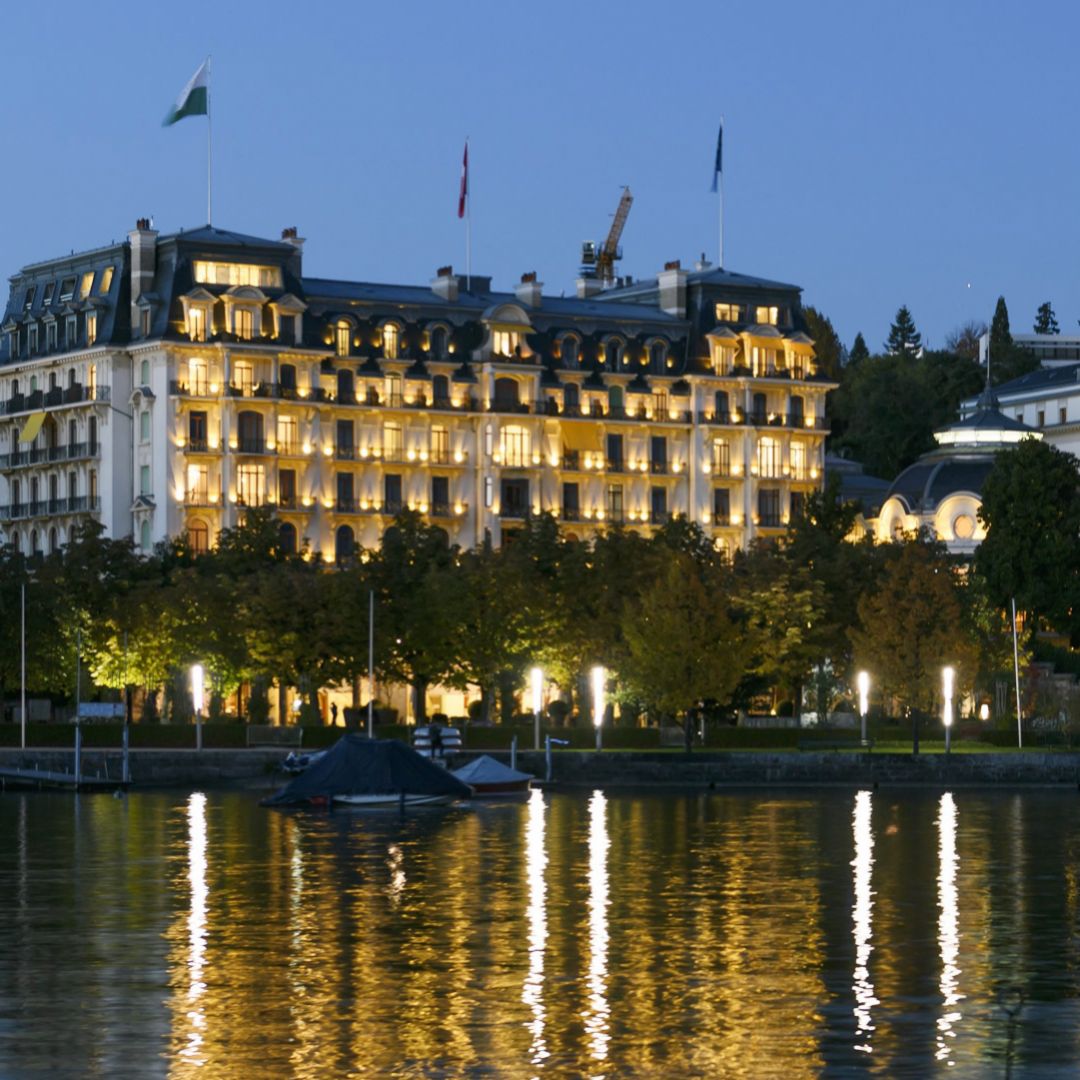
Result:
78,755
547,758
198,733
125,775
513,752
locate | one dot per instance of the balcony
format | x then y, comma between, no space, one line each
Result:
572,461
440,510
251,446
346,506
51,454
345,453
393,507
77,504
658,468
513,513
71,395
769,521
728,419
570,513
659,517
201,497
616,465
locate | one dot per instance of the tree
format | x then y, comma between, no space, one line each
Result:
904,340
859,351
1000,339
964,340
1031,510
912,625
1045,320
827,348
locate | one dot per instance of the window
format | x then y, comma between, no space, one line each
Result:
615,502
250,432
70,331
505,342
613,351
144,535
728,313
571,502
764,361
506,393
28,303
47,298
106,280
760,410
392,493
658,505
244,323
287,488
145,322
344,490
197,430
198,484
144,480
769,507
198,537
1063,415
198,374
92,487
440,495
391,340
67,289
440,445
440,390
50,335
73,485
344,543
797,411
798,505
721,407
514,446
766,316
721,457
658,357
85,285
571,398
287,538
514,498
1041,422
570,351
92,431
797,455
658,453
768,458
287,435
287,377
721,506
343,337
222,273
393,390
91,327
488,491
196,323
345,391
438,342
614,450
32,338
393,445
144,425
144,373
251,484
244,377
345,438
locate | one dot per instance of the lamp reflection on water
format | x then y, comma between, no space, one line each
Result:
395,861
196,815
948,926
596,1016
862,918
532,993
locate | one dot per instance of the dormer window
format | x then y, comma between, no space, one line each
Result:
67,289
244,323
731,313
28,303
32,338
439,342
658,356
196,323
144,322
613,351
391,337
106,280
767,316
50,335
571,351
342,337
505,342
85,285
49,289
224,273
91,327
71,331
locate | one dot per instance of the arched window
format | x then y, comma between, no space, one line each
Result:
198,536
571,351
613,352
391,339
343,337
439,342
54,543
287,538
506,393
34,549
144,536
658,357
71,376
345,391
344,543
144,373
440,390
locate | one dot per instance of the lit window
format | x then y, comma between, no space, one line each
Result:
86,285
198,483
342,334
287,435
504,342
244,323
798,460
514,445
91,327
721,457
767,316
144,322
390,337
728,313
392,442
198,376
196,323
221,273
91,380
768,458
198,536
251,484
106,280
244,377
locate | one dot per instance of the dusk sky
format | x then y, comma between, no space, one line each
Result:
921,153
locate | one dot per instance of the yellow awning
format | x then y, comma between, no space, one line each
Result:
32,427
584,436
513,327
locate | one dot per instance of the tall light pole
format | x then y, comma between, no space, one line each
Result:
863,680
947,677
536,682
197,676
598,677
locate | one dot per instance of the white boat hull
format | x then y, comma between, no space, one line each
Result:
374,801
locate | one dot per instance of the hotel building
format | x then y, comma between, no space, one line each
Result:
162,384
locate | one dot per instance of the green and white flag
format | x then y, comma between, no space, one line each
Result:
194,99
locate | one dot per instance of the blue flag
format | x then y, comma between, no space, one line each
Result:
718,168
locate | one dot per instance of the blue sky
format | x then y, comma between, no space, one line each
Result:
920,153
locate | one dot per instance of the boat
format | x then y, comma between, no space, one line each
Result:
490,778
361,772
295,763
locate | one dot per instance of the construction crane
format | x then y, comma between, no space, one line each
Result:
601,264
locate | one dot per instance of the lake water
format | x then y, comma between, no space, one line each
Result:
768,933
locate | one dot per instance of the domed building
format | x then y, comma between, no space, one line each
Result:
942,492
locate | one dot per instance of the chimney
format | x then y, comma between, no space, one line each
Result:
671,282
703,263
143,241
292,236
530,290
445,284
588,286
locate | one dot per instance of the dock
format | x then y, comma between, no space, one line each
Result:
68,781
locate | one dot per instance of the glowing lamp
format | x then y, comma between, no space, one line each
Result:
597,678
197,681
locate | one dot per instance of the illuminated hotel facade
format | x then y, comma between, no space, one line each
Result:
163,384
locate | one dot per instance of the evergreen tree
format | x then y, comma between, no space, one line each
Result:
1000,339
904,339
859,351
1045,320
827,347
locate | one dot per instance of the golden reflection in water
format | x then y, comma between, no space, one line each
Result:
192,1053
596,1016
395,862
948,929
532,993
862,918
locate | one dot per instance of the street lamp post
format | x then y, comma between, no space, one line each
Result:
947,676
536,680
197,675
598,676
864,700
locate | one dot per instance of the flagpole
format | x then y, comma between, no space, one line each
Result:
22,709
720,189
209,146
468,223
